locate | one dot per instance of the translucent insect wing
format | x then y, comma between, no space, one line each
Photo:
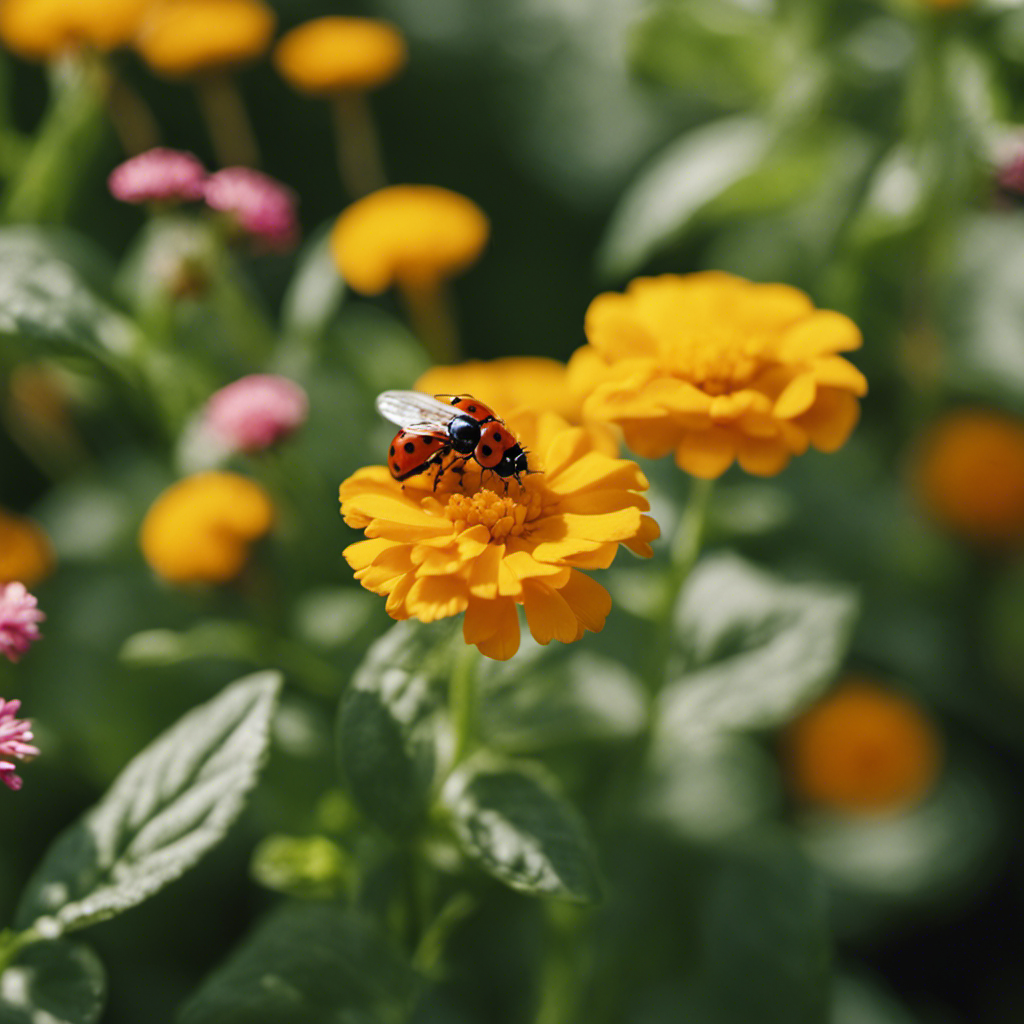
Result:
414,410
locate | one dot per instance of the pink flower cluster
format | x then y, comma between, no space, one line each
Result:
256,412
15,734
259,205
19,620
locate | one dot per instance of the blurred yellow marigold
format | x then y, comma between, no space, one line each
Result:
199,530
410,235
969,475
337,54
182,38
471,547
26,554
43,29
863,749
716,368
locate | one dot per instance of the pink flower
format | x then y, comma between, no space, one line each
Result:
257,411
261,206
19,619
15,734
159,175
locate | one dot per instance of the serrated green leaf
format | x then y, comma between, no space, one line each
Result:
307,964
173,802
512,821
387,728
767,944
53,983
755,647
659,205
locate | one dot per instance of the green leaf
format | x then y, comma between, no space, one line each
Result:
387,727
307,964
659,205
213,638
512,821
755,648
44,299
766,942
172,803
309,867
316,290
53,983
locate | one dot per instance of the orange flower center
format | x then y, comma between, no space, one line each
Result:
717,360
505,515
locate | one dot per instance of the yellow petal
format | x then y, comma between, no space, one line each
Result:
831,420
437,597
596,471
589,601
821,333
612,328
706,453
762,458
524,566
836,372
797,398
598,502
363,552
496,625
547,614
395,606
483,574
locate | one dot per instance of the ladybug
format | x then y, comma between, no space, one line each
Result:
411,453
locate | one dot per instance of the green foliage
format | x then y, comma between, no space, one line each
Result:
755,649
171,804
307,964
387,728
511,820
312,867
53,983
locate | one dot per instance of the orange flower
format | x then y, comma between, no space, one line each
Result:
44,29
413,236
969,475
326,56
478,548
863,749
185,38
26,554
718,369
200,529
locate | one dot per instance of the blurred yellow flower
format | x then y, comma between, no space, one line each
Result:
969,475
337,54
44,29
716,368
475,548
862,749
185,38
200,529
26,554
414,236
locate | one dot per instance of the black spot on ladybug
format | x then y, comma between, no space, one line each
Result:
486,449
410,447
392,452
396,465
471,408
497,437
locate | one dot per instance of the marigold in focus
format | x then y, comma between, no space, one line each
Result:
184,38
472,547
45,29
414,236
200,529
718,369
862,749
26,554
326,56
969,476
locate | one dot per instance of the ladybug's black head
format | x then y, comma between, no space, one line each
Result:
464,434
513,462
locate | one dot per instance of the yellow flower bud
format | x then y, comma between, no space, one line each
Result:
335,54
26,554
44,29
200,529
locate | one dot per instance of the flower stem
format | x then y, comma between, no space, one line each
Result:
358,148
462,702
227,121
12,943
433,320
134,124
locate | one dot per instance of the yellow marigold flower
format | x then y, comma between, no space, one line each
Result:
200,529
473,547
415,236
43,29
717,369
184,38
969,475
336,54
862,749
26,554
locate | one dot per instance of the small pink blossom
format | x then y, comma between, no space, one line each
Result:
1010,177
257,411
19,620
261,206
159,175
15,734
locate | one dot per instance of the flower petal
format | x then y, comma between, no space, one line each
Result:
548,614
797,398
493,626
589,601
821,333
437,597
831,420
706,453
836,372
762,458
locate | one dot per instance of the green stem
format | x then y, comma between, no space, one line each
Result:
563,971
12,943
358,148
462,702
433,319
